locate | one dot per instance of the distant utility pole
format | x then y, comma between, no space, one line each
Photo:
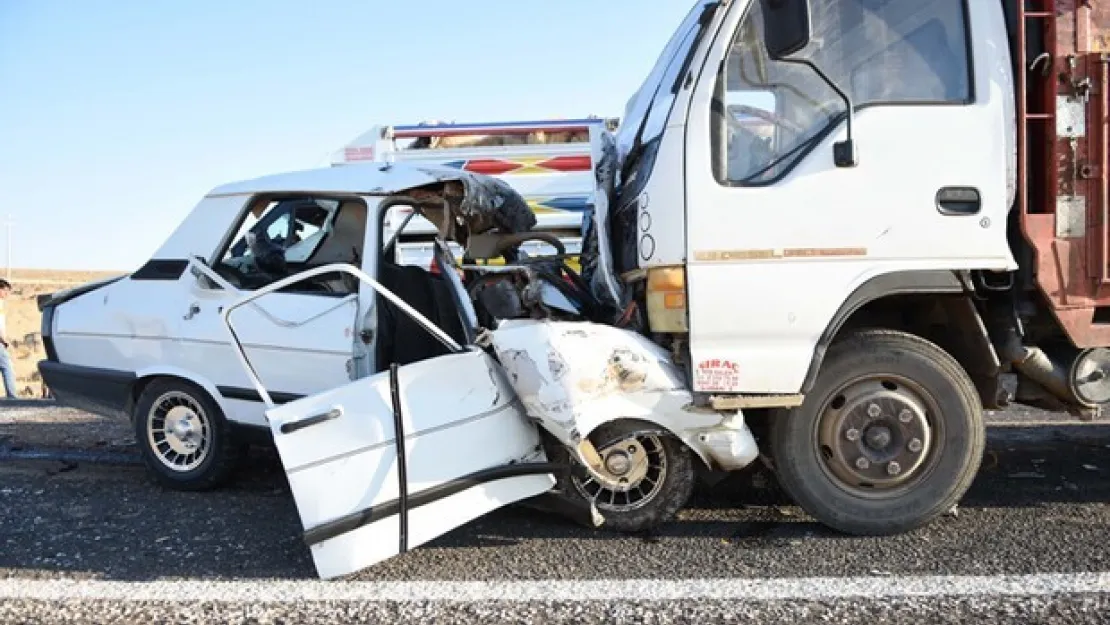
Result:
9,223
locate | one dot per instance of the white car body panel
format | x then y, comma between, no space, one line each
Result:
575,376
460,418
169,324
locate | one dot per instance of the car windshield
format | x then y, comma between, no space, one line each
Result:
643,103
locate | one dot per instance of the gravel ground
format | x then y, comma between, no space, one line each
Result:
1034,509
1041,505
45,425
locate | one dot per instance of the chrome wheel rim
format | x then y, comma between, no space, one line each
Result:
878,436
634,470
179,431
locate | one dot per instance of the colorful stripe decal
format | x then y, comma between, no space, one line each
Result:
570,204
523,166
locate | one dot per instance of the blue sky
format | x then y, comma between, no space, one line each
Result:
116,116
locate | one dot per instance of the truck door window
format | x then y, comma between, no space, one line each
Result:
881,52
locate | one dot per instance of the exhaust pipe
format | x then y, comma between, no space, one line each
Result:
1078,377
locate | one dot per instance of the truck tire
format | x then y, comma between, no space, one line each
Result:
183,436
890,437
657,488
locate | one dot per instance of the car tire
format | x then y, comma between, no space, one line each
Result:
890,437
669,462
183,436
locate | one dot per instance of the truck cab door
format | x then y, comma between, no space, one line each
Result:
783,236
390,461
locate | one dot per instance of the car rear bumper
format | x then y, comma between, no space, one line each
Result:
105,392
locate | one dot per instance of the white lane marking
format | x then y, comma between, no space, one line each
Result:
764,590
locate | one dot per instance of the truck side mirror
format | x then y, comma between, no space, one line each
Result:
787,27
787,30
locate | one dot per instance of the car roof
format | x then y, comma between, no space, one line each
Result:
361,178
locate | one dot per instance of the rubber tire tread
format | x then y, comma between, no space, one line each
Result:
796,459
223,458
678,485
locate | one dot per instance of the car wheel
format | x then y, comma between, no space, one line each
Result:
648,477
184,437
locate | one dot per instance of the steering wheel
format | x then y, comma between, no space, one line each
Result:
504,245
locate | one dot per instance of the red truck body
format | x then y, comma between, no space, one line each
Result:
1064,174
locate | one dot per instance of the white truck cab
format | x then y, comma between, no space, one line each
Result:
839,222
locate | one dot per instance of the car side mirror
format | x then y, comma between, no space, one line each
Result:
197,260
787,27
202,278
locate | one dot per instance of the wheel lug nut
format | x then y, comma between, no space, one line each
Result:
915,445
905,416
852,435
893,468
873,410
863,464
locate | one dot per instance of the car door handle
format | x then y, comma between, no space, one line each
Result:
959,201
293,426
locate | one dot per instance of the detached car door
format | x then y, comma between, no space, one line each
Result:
390,462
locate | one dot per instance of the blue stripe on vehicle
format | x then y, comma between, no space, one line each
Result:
576,204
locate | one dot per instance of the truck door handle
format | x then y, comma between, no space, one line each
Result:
958,201
293,426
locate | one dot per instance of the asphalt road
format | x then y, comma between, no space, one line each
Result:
91,543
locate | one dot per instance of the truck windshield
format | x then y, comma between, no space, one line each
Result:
907,52
648,100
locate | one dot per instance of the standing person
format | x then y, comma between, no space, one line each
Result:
5,358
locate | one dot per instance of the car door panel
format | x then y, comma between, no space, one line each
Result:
465,445
310,355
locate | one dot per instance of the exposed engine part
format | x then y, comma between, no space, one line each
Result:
500,298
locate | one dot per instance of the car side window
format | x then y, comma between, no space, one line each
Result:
881,52
279,237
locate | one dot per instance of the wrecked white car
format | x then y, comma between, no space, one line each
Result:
403,402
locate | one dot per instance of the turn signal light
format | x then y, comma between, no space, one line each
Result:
666,300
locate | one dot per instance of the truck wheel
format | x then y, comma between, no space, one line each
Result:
183,436
890,437
650,474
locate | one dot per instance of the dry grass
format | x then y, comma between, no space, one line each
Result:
25,322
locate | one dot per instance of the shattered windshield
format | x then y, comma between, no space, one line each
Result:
644,102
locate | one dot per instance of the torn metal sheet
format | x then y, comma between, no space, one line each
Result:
470,203
597,257
575,376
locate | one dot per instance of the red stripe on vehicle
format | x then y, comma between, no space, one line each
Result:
568,163
491,167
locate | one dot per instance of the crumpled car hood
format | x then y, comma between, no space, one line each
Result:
470,203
